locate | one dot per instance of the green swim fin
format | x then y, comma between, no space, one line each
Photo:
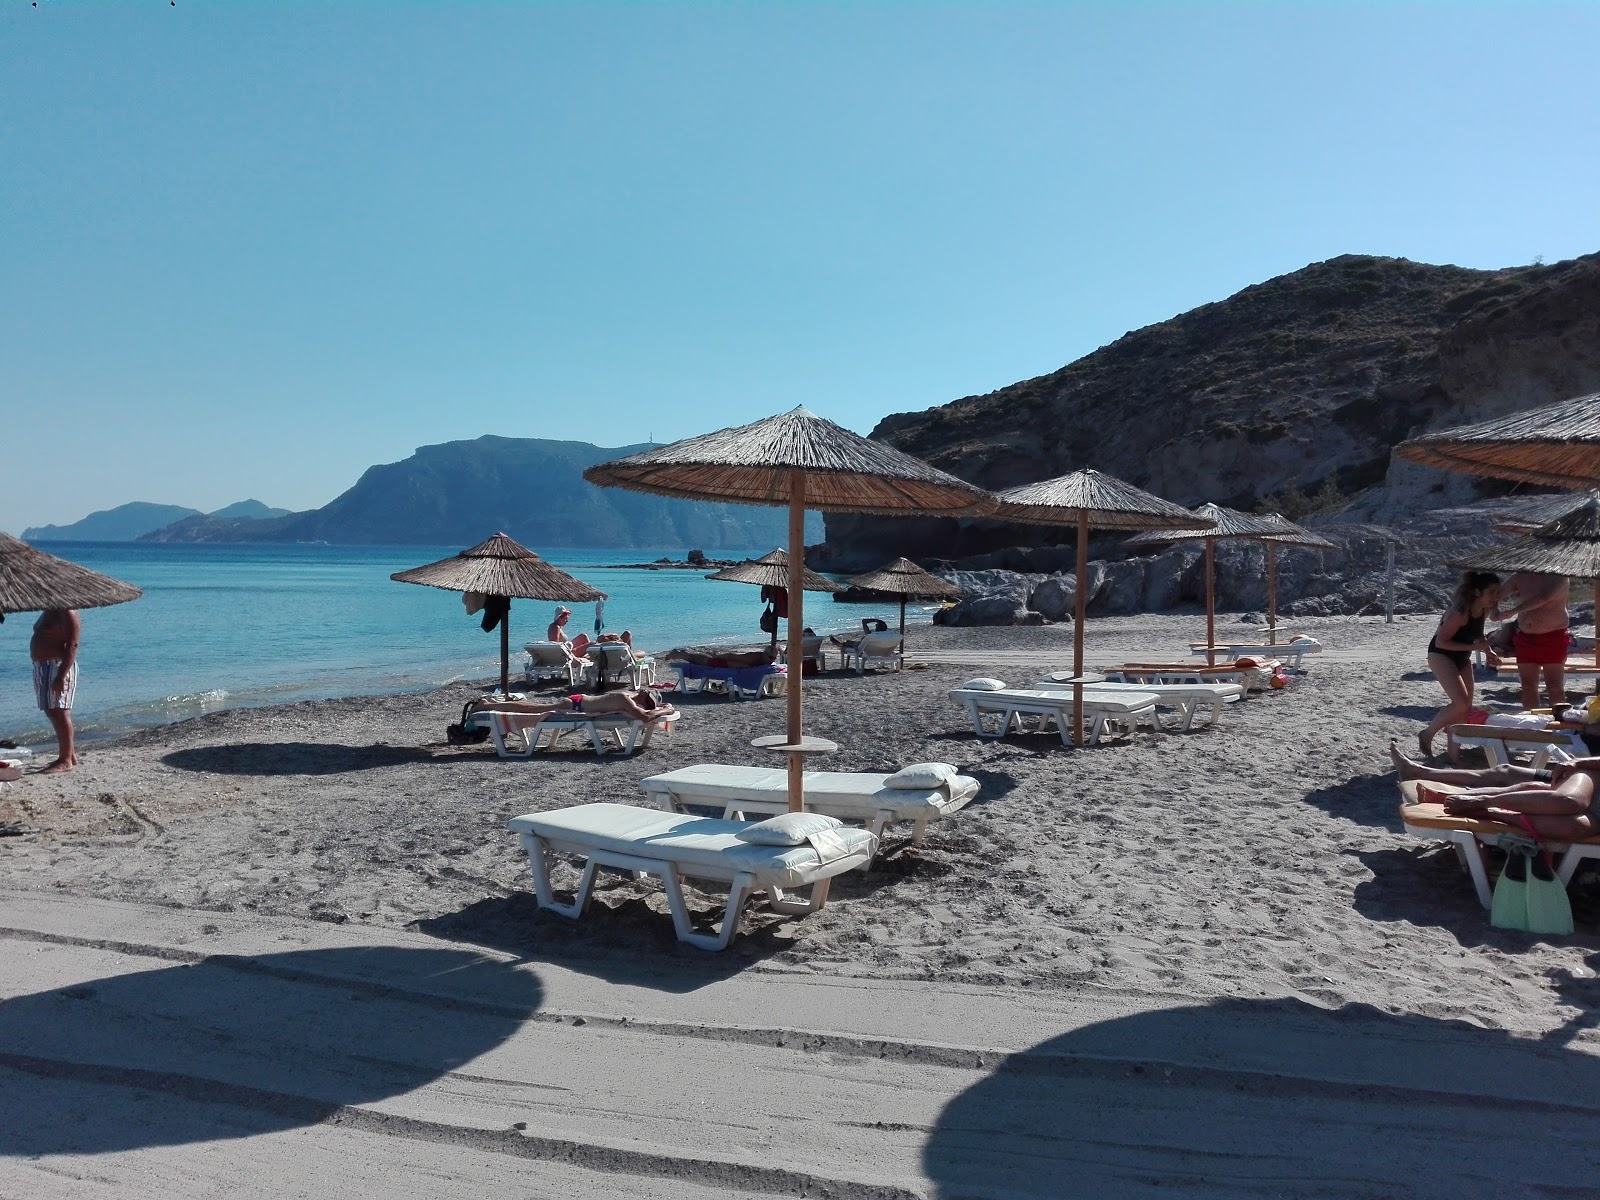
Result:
1549,910
1510,907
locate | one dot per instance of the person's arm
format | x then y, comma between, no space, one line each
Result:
1449,626
1533,595
69,652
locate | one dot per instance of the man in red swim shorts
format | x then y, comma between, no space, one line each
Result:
1539,604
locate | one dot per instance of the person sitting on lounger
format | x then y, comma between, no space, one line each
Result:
1559,801
868,625
641,705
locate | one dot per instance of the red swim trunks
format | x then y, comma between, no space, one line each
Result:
1541,649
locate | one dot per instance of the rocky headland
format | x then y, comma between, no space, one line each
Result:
1296,386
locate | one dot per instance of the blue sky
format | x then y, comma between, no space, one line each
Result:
252,249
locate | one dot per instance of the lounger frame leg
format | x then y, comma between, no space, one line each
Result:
539,864
738,892
778,900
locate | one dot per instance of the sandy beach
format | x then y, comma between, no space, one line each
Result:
1251,878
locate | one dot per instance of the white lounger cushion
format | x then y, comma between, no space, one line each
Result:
1135,700
701,847
856,794
1187,698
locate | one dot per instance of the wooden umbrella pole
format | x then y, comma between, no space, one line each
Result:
1272,593
1211,605
1078,607
505,652
797,625
900,665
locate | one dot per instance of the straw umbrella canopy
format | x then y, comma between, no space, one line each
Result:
799,461
1289,534
1223,523
1533,512
1558,445
905,579
1569,545
772,570
32,581
501,566
1089,499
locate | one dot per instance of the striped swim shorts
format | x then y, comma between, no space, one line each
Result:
44,684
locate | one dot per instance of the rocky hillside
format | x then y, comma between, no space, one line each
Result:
1308,378
459,493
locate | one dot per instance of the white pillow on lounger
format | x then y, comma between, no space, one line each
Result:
921,777
985,685
788,829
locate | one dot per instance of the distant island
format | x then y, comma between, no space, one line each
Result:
130,522
459,493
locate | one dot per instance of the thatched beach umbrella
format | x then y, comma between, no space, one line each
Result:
1089,500
1222,523
905,579
800,461
501,567
1558,445
32,581
1534,512
1287,533
1569,545
772,570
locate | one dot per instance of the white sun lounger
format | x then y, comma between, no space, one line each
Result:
1500,742
551,660
848,795
672,847
874,650
606,731
1102,713
1431,822
1187,698
1292,652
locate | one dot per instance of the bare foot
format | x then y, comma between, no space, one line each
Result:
59,767
1403,766
1427,746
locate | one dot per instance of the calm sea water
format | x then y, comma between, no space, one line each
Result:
234,626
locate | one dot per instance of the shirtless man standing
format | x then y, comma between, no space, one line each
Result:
1541,640
54,650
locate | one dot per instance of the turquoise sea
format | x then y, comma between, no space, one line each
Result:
234,626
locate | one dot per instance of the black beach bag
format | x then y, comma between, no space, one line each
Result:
463,734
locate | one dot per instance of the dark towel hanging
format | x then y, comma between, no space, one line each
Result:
495,610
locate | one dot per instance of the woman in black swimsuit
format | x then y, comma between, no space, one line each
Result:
1450,650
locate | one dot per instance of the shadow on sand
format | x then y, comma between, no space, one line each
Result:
298,758
232,1047
1276,1097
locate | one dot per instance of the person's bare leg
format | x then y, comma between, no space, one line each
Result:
1459,698
1502,775
1555,683
1560,812
1528,673
66,751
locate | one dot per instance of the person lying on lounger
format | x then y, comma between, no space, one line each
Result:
1560,801
641,705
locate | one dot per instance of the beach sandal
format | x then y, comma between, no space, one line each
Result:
1548,908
